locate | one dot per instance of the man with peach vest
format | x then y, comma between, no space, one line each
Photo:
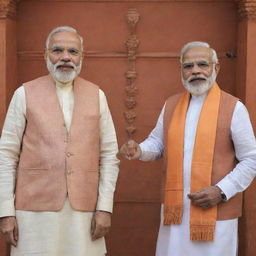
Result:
207,140
58,165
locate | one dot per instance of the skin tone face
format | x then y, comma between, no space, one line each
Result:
197,65
64,47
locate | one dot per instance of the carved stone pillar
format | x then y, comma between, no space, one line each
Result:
8,53
246,90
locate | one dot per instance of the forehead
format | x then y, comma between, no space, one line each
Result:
65,39
197,53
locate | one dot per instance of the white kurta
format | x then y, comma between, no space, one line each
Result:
174,240
66,232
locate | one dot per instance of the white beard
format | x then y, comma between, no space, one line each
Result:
201,88
61,75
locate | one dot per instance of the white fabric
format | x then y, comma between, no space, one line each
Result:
66,232
174,240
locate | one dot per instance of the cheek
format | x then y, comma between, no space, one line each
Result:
185,75
53,59
208,73
76,60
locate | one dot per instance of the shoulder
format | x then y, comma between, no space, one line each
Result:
228,97
38,81
173,99
87,83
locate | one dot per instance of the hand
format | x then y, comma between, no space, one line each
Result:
9,228
130,150
206,197
101,223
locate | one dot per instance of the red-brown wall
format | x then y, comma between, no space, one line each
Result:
163,28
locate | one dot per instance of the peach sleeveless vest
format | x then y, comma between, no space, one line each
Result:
53,163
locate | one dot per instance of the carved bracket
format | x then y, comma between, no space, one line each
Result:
8,8
247,10
131,90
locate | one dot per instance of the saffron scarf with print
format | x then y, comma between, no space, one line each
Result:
202,221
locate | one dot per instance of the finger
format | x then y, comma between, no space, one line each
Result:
92,226
9,238
130,152
131,148
202,202
96,233
196,195
130,143
16,233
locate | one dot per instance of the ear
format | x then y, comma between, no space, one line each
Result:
45,54
82,56
217,68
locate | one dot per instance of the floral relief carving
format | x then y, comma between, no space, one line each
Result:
247,10
8,8
130,116
130,102
131,89
131,129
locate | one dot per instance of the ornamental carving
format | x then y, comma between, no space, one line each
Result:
8,8
130,116
130,102
247,10
131,89
132,17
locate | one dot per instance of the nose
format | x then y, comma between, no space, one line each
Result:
65,56
196,69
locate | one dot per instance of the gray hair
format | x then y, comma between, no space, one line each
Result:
62,29
198,44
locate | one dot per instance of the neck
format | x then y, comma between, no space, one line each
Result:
61,84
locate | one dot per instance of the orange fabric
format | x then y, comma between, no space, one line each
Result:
202,221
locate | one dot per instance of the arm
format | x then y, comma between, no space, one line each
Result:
108,171
245,147
152,148
10,144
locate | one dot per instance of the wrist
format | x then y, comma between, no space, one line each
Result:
222,195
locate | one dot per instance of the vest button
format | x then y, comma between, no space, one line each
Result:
68,154
69,172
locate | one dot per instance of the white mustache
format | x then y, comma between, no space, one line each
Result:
63,63
196,77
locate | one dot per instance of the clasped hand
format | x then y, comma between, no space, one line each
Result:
206,197
130,150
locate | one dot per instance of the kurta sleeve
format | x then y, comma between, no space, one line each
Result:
153,146
10,144
108,160
245,147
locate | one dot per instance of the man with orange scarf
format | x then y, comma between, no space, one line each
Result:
207,140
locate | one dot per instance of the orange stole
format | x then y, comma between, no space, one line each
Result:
202,221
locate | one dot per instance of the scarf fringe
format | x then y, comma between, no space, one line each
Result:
172,215
202,233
